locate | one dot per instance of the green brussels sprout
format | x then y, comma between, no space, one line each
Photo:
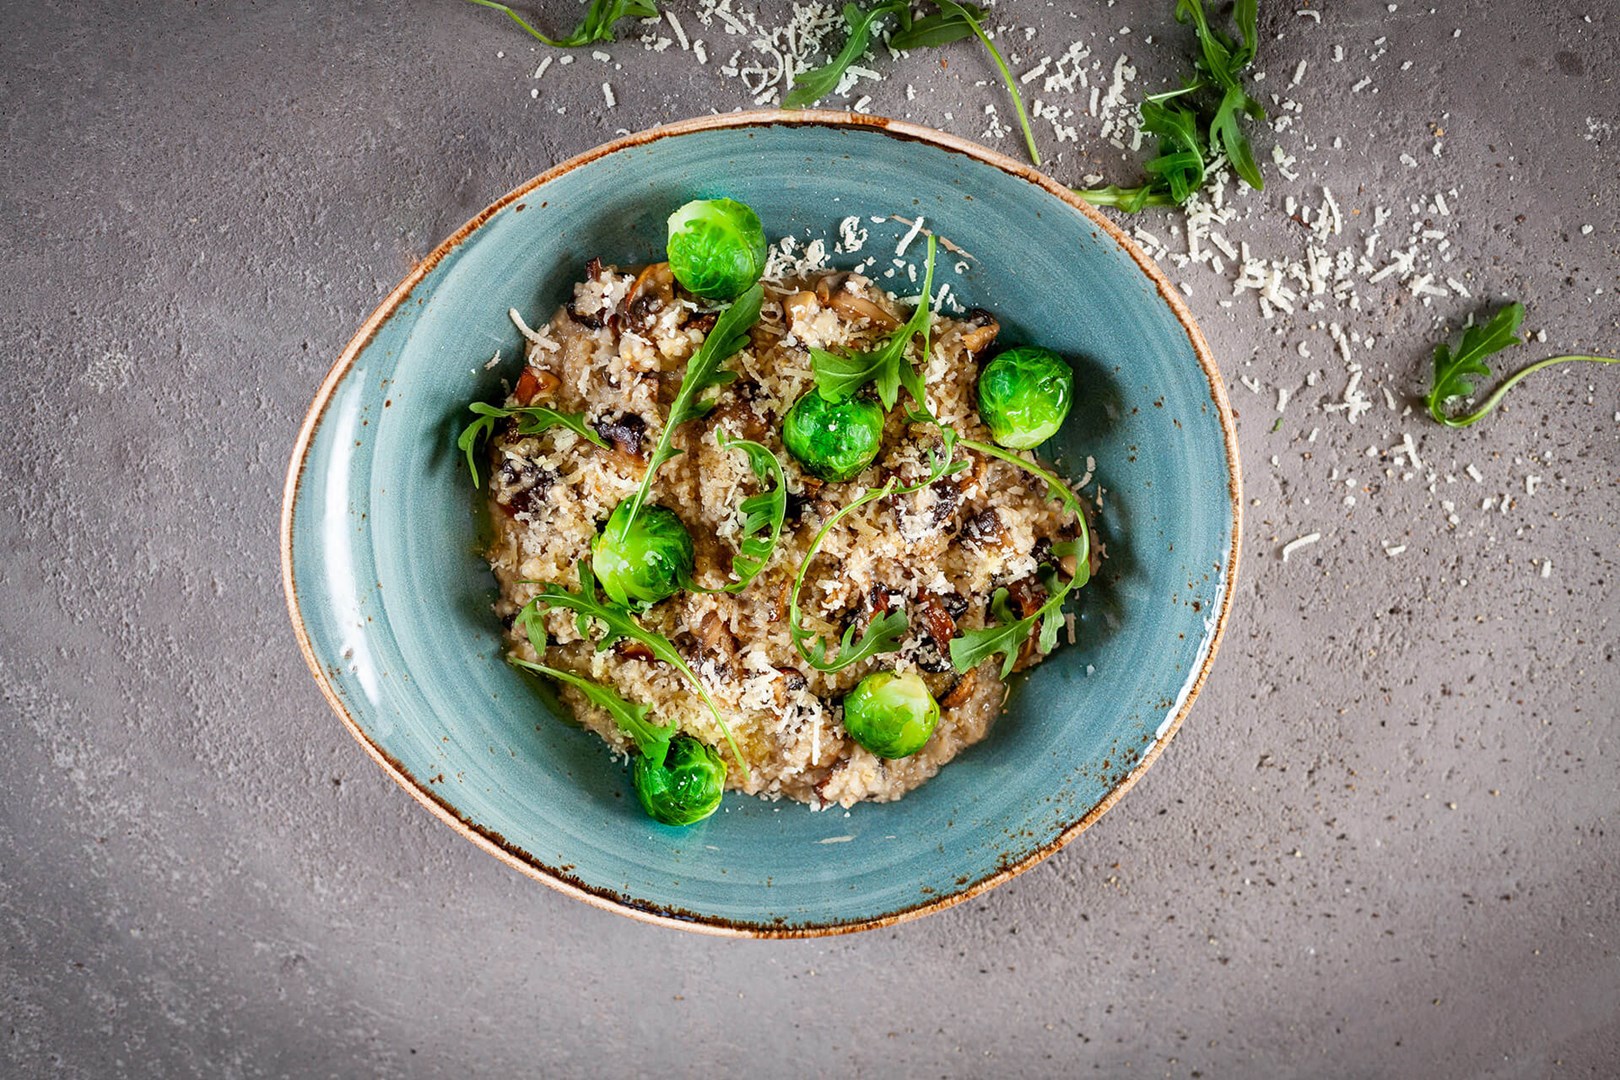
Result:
651,561
891,715
1024,394
685,787
716,247
833,440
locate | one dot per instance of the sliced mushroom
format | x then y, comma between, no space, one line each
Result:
981,331
716,640
1025,596
936,620
833,290
800,306
961,692
534,383
652,294
633,650
984,527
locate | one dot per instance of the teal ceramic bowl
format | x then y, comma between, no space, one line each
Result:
391,600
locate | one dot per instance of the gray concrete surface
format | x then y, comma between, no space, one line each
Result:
1385,843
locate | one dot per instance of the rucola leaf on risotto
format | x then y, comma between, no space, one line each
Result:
617,623
885,633
886,366
1008,634
703,373
650,738
762,513
532,420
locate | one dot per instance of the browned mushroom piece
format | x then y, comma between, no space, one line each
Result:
591,320
1025,596
737,414
535,383
959,694
936,621
652,294
981,331
716,638
833,290
633,650
627,435
799,306
983,528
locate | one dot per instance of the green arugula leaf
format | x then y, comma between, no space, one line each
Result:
940,28
1181,166
882,635
1226,130
532,420
597,25
960,12
837,377
616,623
1007,634
1455,371
650,738
703,373
1180,163
762,514
815,84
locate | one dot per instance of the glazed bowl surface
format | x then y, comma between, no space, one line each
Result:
391,599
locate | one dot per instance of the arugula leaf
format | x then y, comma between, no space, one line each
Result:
618,623
532,420
597,26
951,7
650,738
1181,166
940,28
703,372
1454,372
837,377
1180,163
1008,634
815,84
762,513
882,635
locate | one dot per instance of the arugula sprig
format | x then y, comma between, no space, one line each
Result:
650,738
1007,634
597,25
952,22
815,84
886,366
1213,101
617,623
762,514
1456,370
532,420
703,373
883,634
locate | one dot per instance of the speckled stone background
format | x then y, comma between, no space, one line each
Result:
1384,844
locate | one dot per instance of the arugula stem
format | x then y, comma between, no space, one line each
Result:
1006,76
1436,408
1127,198
515,17
1060,489
804,568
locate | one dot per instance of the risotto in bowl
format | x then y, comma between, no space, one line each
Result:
869,503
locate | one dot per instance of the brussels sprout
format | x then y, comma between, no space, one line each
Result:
833,440
716,247
1024,394
649,562
891,715
685,787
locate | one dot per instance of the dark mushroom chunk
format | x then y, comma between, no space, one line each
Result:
535,383
983,528
1025,596
632,650
520,487
591,320
961,692
794,678
652,294
627,435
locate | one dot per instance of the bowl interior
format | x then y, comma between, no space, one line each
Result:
385,534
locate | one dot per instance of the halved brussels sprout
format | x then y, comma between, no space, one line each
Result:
833,440
891,715
649,562
1024,396
716,247
685,787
